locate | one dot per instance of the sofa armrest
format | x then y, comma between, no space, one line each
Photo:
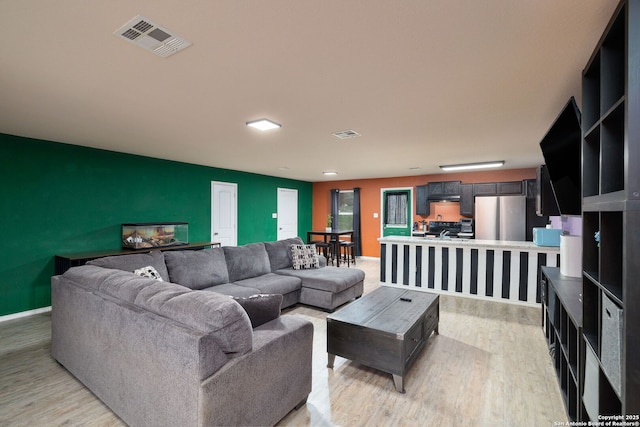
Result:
261,387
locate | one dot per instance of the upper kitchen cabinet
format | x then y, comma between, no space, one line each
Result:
422,200
444,190
435,192
466,199
507,188
485,189
498,188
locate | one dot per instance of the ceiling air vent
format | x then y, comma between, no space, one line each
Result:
152,37
346,134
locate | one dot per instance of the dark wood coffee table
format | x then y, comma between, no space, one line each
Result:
385,329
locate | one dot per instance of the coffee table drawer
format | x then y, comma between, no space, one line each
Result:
431,321
413,341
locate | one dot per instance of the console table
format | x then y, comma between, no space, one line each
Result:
65,262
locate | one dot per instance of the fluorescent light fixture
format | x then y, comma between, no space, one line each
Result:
330,173
483,165
263,124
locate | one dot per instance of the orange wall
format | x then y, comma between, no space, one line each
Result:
370,199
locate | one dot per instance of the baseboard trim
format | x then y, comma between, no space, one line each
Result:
24,314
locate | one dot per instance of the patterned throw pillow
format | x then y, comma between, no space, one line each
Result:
304,256
149,272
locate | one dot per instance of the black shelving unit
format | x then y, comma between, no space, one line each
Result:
562,323
611,208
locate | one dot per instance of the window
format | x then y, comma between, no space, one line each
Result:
396,209
345,210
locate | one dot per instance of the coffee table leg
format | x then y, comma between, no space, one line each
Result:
332,358
398,381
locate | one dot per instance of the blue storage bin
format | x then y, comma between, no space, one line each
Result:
546,236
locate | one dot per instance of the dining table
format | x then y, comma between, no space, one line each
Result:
331,236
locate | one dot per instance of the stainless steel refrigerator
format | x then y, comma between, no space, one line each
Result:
501,218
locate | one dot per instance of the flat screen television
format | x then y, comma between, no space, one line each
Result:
561,149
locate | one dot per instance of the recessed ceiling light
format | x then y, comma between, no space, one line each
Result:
330,173
264,124
482,165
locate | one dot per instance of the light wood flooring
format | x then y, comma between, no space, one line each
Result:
489,366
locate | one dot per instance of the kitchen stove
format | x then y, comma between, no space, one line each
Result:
437,227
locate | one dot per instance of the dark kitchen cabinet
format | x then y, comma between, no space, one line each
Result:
509,188
498,188
466,199
485,189
422,200
444,189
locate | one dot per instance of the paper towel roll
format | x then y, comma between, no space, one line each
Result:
571,256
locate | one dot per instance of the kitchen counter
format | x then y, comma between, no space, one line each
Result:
508,271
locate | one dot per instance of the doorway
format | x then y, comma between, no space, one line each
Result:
224,213
287,213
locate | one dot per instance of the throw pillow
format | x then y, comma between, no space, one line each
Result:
304,256
261,308
148,271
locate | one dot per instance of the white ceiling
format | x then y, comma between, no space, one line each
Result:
426,82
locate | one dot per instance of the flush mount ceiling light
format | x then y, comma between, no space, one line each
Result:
482,165
148,35
329,173
263,124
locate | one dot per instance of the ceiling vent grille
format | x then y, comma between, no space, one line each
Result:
152,37
346,134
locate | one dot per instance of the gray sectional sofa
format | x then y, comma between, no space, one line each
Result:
181,351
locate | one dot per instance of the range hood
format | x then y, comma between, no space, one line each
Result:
443,198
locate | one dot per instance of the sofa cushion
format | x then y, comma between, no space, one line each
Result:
304,256
280,252
261,308
246,261
234,290
132,262
271,283
119,284
197,269
206,312
332,279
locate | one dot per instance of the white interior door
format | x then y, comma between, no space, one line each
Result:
224,213
287,213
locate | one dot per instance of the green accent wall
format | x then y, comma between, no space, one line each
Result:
59,198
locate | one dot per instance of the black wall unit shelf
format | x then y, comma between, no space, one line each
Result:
562,323
611,210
